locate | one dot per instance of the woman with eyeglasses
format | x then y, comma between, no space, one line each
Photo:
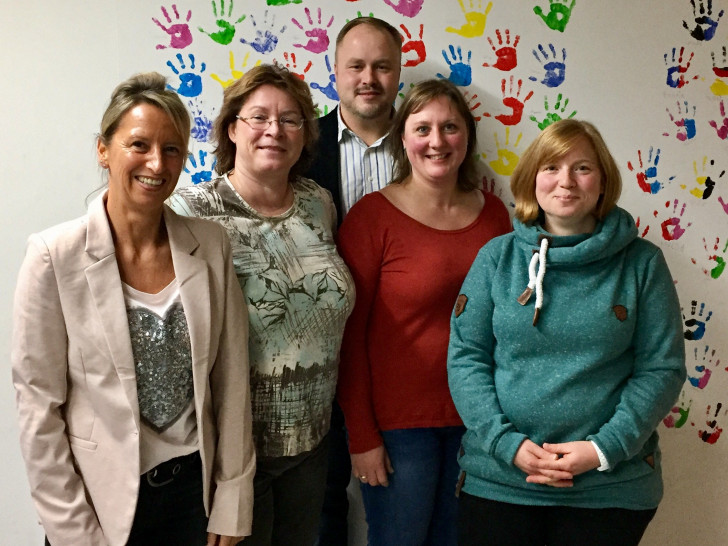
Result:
298,291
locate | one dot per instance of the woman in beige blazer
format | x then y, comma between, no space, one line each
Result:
129,353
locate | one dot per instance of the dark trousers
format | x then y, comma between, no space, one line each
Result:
170,508
484,522
288,494
333,530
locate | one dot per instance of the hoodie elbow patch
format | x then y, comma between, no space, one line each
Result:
460,305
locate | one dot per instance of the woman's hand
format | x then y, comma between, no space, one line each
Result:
372,466
542,466
575,457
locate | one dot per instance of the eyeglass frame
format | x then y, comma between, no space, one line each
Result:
270,122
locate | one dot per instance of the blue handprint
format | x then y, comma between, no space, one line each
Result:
201,173
555,70
202,125
329,90
190,84
695,326
265,41
460,72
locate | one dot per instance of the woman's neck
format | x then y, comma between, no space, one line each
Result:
270,196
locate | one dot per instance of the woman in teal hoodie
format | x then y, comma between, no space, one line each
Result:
566,351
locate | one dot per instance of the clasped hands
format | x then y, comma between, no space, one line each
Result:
555,464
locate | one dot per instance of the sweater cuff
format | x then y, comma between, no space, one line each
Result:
603,462
508,445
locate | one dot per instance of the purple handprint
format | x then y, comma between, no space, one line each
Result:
179,33
190,83
555,70
329,90
705,25
202,126
408,8
460,71
265,41
723,129
318,37
676,69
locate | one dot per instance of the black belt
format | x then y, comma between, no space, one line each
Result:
166,472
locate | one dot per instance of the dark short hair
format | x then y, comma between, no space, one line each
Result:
145,88
235,96
554,142
419,96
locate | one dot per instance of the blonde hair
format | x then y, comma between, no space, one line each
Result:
554,142
148,88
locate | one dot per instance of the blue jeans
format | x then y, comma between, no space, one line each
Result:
419,506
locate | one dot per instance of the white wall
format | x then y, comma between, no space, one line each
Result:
60,61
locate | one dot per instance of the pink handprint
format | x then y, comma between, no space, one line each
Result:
179,33
318,36
408,8
723,129
506,55
416,46
684,122
712,432
671,228
512,100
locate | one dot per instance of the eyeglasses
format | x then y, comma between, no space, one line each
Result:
287,123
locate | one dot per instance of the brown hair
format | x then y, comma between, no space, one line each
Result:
150,88
419,96
235,96
554,142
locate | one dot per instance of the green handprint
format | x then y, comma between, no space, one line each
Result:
558,15
551,117
226,31
360,14
282,2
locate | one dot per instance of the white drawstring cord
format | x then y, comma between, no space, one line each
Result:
535,279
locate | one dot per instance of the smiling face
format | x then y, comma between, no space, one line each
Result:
436,141
568,190
272,149
144,157
367,72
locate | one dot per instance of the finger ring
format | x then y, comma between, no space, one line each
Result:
363,478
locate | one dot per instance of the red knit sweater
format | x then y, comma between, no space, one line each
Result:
394,354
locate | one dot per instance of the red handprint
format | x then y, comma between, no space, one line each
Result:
417,46
505,53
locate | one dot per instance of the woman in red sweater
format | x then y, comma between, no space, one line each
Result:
409,247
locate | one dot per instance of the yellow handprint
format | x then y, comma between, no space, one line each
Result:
507,158
474,19
236,74
704,183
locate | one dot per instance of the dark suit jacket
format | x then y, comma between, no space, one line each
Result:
325,168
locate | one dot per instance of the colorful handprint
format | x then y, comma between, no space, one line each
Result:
225,25
417,47
677,68
555,70
717,261
684,121
695,325
408,8
722,129
179,33
704,26
318,36
555,115
475,19
505,53
190,83
647,177
559,14
460,70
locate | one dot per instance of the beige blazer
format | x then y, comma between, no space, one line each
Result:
75,380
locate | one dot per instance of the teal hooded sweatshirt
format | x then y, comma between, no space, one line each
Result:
605,362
